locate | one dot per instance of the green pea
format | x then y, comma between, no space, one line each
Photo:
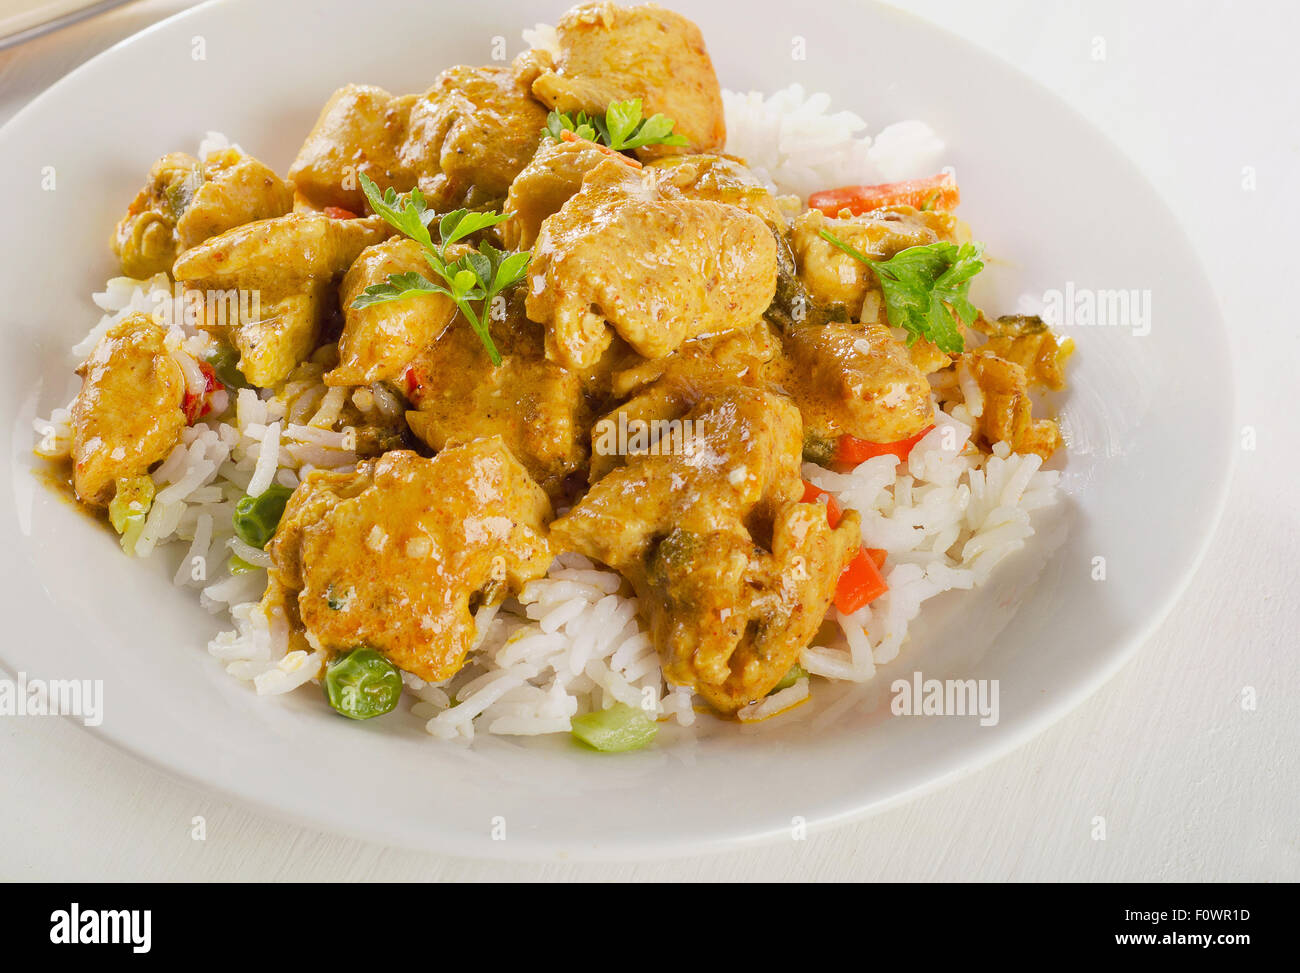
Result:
362,684
225,365
257,517
615,730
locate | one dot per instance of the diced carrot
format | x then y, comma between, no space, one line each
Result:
812,494
935,192
339,213
850,451
569,136
860,584
861,581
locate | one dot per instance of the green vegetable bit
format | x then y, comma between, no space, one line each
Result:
256,518
581,125
474,279
237,565
615,730
362,684
129,508
796,673
925,289
622,128
225,365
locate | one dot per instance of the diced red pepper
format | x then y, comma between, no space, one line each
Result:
197,405
861,581
412,383
850,451
339,213
936,192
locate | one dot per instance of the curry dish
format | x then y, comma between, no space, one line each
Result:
525,259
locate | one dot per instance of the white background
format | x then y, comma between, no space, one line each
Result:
1191,784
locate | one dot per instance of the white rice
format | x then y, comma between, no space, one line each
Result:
572,643
794,142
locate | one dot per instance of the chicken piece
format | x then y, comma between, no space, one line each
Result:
723,180
610,53
472,133
1005,415
734,573
128,414
236,189
741,356
145,239
398,555
361,130
853,381
831,275
631,256
380,341
545,184
185,202
535,406
269,253
290,263
1027,341
792,304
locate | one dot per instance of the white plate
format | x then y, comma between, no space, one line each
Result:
1149,420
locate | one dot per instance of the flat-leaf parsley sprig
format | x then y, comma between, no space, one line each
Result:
925,289
622,128
475,277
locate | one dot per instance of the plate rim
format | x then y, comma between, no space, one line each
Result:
850,805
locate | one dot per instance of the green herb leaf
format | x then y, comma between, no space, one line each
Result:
625,128
398,287
925,289
621,121
478,275
510,271
581,125
402,213
622,127
461,223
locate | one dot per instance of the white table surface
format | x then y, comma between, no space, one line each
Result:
1192,785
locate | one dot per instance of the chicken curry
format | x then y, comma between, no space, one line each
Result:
526,254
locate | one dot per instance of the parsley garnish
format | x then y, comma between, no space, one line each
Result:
621,129
477,276
581,125
925,289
